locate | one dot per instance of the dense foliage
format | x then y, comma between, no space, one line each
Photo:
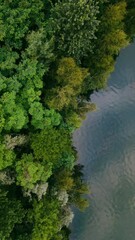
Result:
74,24
53,53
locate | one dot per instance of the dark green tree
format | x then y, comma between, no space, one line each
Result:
11,213
74,24
51,145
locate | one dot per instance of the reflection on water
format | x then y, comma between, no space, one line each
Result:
106,146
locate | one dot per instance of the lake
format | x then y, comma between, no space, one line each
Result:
106,147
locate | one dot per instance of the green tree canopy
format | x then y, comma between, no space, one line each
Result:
111,37
69,78
74,24
30,172
11,212
45,217
7,156
25,56
51,145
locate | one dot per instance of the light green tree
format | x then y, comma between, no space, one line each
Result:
45,217
7,156
29,172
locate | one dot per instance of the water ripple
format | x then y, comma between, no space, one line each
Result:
106,146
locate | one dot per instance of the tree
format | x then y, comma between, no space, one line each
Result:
114,41
7,156
60,98
74,25
111,37
2,118
130,18
39,189
12,142
40,47
69,78
11,213
68,73
73,120
29,172
25,55
67,216
16,19
6,178
45,217
8,59
51,145
13,112
64,180
43,118
79,189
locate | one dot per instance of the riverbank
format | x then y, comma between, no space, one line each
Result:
106,147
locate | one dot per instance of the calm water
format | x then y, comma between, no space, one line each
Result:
106,146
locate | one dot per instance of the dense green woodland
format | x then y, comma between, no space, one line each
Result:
53,54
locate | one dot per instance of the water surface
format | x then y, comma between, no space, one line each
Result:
106,146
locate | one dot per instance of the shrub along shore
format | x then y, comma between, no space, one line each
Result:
53,55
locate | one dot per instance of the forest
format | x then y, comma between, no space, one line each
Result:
53,55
